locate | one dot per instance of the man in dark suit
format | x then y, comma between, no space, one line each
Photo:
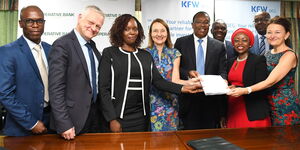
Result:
73,71
219,31
24,79
261,44
198,111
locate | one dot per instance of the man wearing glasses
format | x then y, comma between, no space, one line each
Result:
261,44
206,55
24,77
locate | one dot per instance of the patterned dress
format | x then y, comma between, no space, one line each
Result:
164,106
284,100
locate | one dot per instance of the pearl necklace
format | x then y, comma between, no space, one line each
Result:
237,59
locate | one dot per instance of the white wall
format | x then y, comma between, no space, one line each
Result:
61,16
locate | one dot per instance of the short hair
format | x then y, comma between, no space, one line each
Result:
168,42
93,7
266,14
29,7
118,27
201,12
283,22
220,21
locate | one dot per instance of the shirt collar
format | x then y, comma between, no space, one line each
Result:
196,39
30,43
81,40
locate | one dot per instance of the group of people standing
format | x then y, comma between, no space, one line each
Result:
128,89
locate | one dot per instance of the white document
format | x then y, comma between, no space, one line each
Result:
214,85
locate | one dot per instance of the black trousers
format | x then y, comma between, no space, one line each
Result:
93,123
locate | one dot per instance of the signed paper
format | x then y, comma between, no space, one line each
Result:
214,85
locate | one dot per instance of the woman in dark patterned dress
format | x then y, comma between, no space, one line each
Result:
282,64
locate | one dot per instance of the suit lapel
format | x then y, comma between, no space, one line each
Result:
80,54
95,50
27,52
192,53
46,49
209,53
247,69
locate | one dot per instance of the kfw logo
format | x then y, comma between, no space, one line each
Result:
259,8
189,4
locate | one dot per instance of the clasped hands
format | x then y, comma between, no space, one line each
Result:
193,84
234,91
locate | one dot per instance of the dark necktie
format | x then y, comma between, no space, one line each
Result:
262,45
93,70
200,58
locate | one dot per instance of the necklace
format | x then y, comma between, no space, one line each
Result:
237,59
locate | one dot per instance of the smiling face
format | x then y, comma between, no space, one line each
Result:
276,35
89,24
241,43
219,31
201,25
159,33
130,33
32,31
261,21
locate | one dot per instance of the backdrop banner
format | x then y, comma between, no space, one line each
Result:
178,14
61,16
240,14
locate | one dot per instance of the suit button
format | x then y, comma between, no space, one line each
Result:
90,92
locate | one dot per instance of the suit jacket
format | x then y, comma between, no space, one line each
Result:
70,91
21,87
114,80
255,48
215,64
215,49
230,50
255,70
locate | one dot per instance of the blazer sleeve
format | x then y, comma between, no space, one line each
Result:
223,63
8,98
160,83
58,64
184,73
105,82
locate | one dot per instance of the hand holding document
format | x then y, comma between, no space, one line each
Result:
214,85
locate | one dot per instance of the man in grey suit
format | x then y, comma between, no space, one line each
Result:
219,31
73,71
261,44
198,111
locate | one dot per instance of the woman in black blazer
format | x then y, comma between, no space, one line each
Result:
126,74
246,69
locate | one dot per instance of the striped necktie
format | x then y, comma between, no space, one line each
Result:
262,45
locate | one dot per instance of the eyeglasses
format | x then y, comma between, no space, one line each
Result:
260,20
201,23
30,22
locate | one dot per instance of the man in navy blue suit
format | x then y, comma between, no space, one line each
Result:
261,45
219,31
24,79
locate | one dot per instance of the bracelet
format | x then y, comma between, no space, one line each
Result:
249,90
